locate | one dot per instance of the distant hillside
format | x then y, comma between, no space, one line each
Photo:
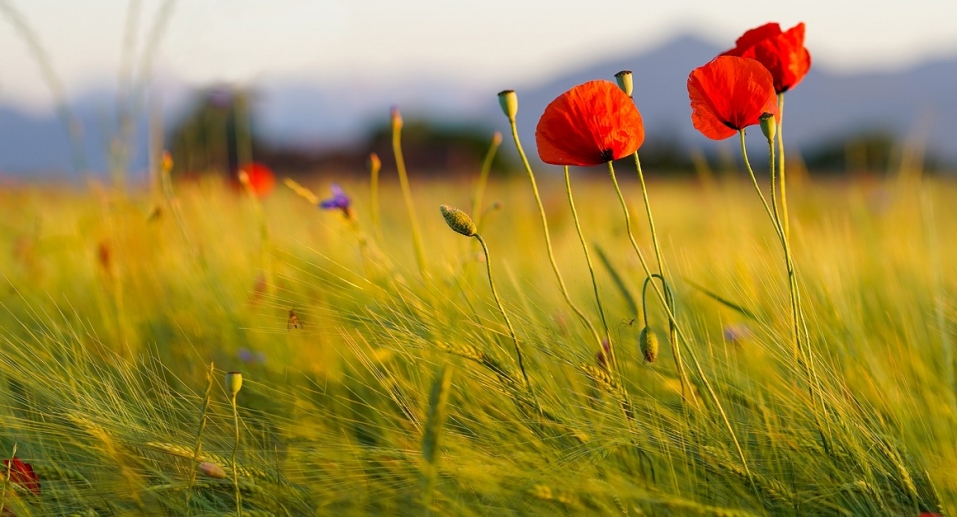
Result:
917,101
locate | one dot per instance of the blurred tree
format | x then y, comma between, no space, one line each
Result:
214,137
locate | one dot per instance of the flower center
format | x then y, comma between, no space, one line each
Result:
607,155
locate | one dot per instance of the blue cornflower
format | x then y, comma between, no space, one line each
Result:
339,200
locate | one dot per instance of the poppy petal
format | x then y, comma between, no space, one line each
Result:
782,53
588,125
729,94
753,37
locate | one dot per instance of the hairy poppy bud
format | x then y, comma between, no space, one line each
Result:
625,81
458,220
508,99
769,125
648,343
234,382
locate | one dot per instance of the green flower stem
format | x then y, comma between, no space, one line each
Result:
548,239
672,333
409,204
681,337
803,357
779,135
676,351
591,271
508,322
239,500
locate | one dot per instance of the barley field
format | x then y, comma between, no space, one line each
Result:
379,382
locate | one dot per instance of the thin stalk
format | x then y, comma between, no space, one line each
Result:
779,135
197,449
803,357
548,239
374,166
681,337
407,193
239,500
672,333
782,238
483,178
676,351
591,271
508,322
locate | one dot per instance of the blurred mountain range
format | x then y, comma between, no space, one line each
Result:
917,103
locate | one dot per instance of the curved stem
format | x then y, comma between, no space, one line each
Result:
672,334
548,238
239,500
679,364
680,334
803,357
591,271
508,322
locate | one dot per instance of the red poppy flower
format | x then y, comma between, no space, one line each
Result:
782,53
22,474
590,124
261,179
729,94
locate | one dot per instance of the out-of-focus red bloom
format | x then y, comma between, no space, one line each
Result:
22,474
729,94
782,53
590,124
261,179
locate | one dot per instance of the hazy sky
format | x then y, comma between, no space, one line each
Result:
491,43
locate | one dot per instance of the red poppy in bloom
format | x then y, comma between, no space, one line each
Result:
782,53
590,124
261,179
729,94
22,474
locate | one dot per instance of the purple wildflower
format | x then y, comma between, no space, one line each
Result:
338,201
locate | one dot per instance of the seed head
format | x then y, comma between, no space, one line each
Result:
768,126
648,343
458,220
508,99
234,382
625,81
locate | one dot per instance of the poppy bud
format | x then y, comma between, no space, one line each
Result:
508,99
396,119
497,138
458,220
625,81
769,125
648,343
234,382
212,470
375,164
